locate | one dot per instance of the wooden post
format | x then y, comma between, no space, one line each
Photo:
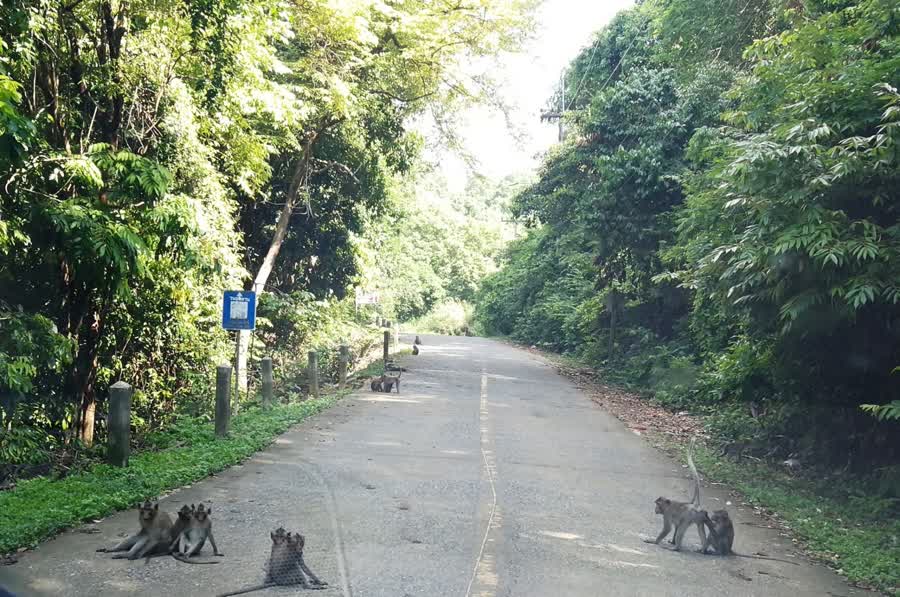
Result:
268,382
313,374
387,340
119,447
237,369
343,359
223,399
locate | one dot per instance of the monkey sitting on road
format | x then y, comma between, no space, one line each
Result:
417,341
415,349
721,537
193,537
376,384
285,565
154,535
681,515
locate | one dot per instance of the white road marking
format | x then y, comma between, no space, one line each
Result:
484,569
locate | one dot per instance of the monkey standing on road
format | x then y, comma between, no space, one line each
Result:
154,535
285,565
681,515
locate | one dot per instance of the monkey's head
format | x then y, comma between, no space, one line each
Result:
296,541
662,504
720,517
202,513
185,512
148,511
278,536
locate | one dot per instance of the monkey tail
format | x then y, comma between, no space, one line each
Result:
248,590
743,555
690,458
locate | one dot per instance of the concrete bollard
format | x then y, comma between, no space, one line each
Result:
119,446
343,360
223,399
268,382
397,335
387,340
313,374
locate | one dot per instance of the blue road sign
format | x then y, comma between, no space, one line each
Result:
239,310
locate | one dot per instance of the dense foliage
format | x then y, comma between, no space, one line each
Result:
430,250
155,154
721,226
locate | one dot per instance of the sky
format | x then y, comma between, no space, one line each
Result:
527,81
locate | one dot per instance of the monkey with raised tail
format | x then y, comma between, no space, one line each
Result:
681,515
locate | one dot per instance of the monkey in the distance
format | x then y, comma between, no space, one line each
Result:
721,537
417,341
390,381
415,349
285,565
681,515
153,536
375,384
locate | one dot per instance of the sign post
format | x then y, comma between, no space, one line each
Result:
238,313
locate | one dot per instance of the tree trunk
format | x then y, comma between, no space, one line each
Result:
301,168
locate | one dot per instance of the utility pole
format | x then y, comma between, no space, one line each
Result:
556,115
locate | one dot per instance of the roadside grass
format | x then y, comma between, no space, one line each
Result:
186,452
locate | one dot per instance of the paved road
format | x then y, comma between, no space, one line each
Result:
488,475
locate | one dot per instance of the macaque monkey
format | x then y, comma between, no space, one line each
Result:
154,534
193,537
721,533
181,523
415,349
681,515
389,381
375,384
417,341
285,566
721,537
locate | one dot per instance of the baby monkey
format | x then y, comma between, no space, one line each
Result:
193,536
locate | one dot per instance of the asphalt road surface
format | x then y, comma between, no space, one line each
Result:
488,475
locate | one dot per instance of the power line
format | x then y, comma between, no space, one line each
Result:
583,76
615,68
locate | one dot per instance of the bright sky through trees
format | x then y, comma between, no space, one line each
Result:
528,79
